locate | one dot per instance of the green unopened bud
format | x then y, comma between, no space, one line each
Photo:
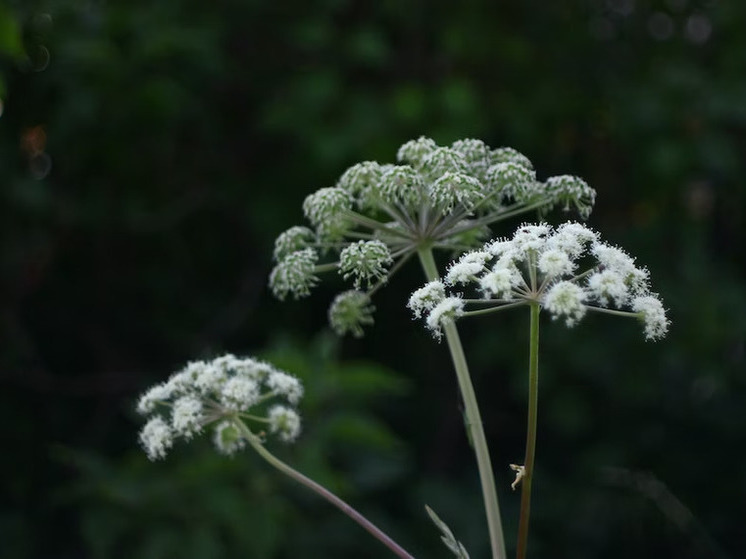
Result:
294,274
476,154
361,181
325,209
294,239
440,161
366,261
415,151
401,184
456,188
349,312
567,190
509,155
513,181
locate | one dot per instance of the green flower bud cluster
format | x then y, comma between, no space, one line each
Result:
378,215
349,312
365,261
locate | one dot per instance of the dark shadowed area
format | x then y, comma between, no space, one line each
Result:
150,153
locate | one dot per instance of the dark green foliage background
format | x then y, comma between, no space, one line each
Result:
183,136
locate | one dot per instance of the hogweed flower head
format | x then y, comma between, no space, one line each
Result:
566,270
223,392
379,214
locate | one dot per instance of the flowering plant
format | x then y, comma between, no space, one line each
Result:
366,228
378,216
231,393
540,265
221,392
566,271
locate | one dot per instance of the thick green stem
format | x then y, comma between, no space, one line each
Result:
533,401
376,532
473,419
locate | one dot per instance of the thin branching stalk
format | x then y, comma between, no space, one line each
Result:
494,309
473,419
376,532
375,225
614,312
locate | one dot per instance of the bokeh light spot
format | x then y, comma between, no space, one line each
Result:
660,26
698,29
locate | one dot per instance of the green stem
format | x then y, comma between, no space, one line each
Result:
473,419
495,309
613,311
376,532
375,225
533,401
498,216
321,268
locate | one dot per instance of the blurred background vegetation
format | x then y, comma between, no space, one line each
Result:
151,151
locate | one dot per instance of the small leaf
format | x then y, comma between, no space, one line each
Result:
448,538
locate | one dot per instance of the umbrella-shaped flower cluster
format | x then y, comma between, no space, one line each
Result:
567,271
378,215
221,392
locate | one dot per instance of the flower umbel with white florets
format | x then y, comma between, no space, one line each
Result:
567,271
230,394
378,215
226,393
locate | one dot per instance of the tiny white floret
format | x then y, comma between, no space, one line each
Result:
186,416
445,312
653,315
285,385
156,438
158,393
499,282
554,263
608,286
426,298
565,299
239,393
284,422
463,272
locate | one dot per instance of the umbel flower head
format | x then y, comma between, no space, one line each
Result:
378,215
222,393
567,271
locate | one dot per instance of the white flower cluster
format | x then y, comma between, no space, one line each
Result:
567,270
220,391
377,215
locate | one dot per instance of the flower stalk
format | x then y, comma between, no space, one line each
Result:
538,267
533,406
320,490
473,419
